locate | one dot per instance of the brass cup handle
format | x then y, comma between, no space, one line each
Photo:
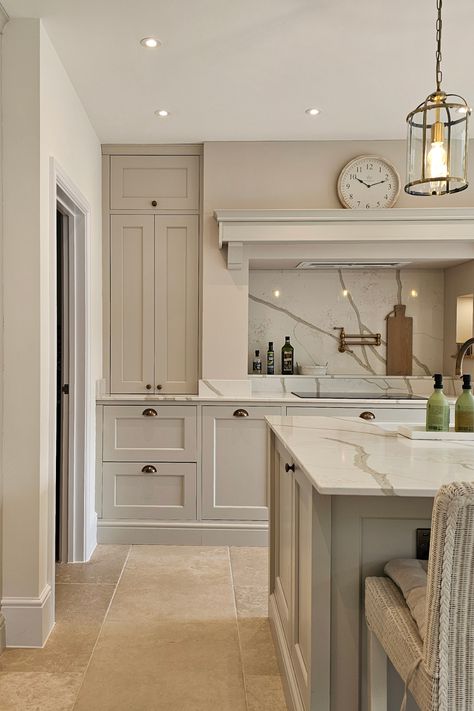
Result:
289,468
148,387
154,203
149,412
149,469
159,387
366,415
241,413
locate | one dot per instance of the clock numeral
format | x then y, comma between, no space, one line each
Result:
370,166
378,203
385,197
387,176
348,185
358,203
352,176
359,169
367,206
390,186
351,197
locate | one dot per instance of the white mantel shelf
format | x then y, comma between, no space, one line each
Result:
241,228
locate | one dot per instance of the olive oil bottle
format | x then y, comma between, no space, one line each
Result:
464,408
270,359
437,408
287,358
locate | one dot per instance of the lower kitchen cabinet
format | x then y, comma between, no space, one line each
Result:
162,491
234,462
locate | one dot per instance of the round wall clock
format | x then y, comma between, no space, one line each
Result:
368,183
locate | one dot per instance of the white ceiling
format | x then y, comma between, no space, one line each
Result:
248,69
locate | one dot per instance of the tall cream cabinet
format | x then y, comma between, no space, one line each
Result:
153,303
151,273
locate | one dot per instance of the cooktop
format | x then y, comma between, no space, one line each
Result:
360,396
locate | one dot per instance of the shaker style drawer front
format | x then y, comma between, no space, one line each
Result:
152,491
150,432
381,414
154,183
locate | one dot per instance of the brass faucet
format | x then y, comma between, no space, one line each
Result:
461,353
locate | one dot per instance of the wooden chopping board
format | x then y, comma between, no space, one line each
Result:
399,342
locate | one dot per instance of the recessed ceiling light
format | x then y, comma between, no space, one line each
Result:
150,42
162,113
312,112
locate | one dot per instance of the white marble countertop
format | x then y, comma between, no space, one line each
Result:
262,397
347,456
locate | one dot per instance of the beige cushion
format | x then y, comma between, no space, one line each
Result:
410,575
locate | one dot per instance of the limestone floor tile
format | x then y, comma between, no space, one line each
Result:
142,651
257,648
80,611
265,693
250,566
251,601
105,566
196,691
147,565
38,691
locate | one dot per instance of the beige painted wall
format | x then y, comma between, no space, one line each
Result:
42,117
262,175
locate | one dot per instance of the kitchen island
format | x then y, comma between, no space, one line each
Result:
346,496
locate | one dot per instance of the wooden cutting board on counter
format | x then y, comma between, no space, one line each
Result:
399,342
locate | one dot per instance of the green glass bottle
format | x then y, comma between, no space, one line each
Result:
287,358
270,359
437,408
464,408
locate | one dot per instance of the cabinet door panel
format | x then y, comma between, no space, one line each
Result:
283,523
176,303
234,460
131,434
132,303
170,181
164,492
302,587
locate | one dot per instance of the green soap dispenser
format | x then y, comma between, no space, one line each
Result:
464,409
437,408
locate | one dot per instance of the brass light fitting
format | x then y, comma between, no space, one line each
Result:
437,144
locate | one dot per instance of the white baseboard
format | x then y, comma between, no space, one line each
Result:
196,533
290,685
29,620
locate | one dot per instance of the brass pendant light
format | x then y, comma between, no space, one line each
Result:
437,144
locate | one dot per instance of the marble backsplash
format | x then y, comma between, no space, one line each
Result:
308,305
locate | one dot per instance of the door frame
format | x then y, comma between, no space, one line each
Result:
82,519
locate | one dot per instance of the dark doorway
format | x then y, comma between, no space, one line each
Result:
62,385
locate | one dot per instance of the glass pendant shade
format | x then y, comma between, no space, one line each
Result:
437,145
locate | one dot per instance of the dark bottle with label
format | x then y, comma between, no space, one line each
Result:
287,358
257,363
270,359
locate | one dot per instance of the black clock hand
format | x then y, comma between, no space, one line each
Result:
379,183
361,181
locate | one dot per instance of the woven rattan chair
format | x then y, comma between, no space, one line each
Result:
439,671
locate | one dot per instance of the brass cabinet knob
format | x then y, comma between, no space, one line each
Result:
159,387
289,468
367,415
241,413
154,203
149,469
148,387
149,412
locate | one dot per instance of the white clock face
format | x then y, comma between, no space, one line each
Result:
368,183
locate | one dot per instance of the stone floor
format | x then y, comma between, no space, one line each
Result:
153,628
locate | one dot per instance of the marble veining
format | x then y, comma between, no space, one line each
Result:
353,457
309,305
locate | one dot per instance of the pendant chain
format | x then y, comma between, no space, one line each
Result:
439,27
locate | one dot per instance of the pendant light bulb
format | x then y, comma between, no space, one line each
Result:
437,158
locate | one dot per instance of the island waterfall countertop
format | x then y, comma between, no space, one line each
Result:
347,456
